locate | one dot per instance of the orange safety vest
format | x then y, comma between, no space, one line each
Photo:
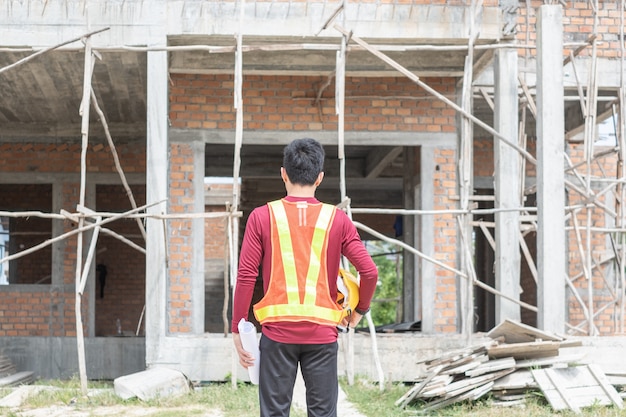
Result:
298,287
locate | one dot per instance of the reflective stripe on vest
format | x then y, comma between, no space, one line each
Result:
323,310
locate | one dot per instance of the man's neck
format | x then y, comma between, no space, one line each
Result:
301,191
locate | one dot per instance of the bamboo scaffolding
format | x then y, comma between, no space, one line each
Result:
116,159
591,198
466,167
84,111
74,232
441,264
435,93
621,191
340,81
233,223
45,50
281,47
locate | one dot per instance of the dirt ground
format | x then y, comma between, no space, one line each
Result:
12,404
117,410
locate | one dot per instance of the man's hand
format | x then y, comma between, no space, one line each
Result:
245,358
351,321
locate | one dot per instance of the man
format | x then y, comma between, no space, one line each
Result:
297,243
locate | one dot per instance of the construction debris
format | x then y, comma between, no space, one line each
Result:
9,377
157,382
519,359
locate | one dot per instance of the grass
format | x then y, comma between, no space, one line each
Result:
243,402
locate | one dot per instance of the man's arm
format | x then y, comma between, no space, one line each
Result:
249,262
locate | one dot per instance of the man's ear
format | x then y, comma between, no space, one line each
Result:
283,175
320,177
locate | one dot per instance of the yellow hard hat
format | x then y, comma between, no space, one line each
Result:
347,292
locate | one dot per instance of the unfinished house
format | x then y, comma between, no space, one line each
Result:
492,131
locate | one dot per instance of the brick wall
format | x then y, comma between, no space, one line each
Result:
446,241
578,22
386,104
48,309
603,285
289,103
28,231
181,200
123,295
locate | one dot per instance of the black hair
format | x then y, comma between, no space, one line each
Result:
303,160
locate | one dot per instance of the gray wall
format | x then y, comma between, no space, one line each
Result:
56,358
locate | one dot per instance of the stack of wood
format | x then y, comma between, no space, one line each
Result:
518,359
9,377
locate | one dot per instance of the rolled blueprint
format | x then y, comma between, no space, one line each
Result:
247,331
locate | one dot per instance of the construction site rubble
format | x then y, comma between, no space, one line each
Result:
518,360
9,377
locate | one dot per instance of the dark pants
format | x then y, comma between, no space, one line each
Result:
277,375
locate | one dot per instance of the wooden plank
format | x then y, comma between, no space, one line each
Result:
576,387
465,364
516,332
473,395
416,389
520,379
465,384
492,366
457,354
525,350
608,389
16,379
549,361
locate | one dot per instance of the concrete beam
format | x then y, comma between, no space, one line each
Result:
282,137
507,186
551,248
135,22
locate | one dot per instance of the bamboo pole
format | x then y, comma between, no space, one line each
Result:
590,126
116,159
226,279
88,261
441,264
339,111
84,111
434,92
217,49
529,258
466,174
74,232
51,48
233,223
122,239
621,137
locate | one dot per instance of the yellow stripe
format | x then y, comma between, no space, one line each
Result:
316,252
299,310
286,248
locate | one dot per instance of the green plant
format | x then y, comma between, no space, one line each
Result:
387,296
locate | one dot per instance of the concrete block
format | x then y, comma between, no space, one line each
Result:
153,383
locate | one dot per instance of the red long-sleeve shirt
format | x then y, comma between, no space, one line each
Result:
256,252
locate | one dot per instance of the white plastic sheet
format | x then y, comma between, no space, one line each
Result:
250,343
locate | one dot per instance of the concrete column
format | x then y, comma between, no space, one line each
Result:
409,290
197,268
428,271
156,190
550,175
507,186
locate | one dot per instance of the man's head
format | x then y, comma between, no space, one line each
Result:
303,161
